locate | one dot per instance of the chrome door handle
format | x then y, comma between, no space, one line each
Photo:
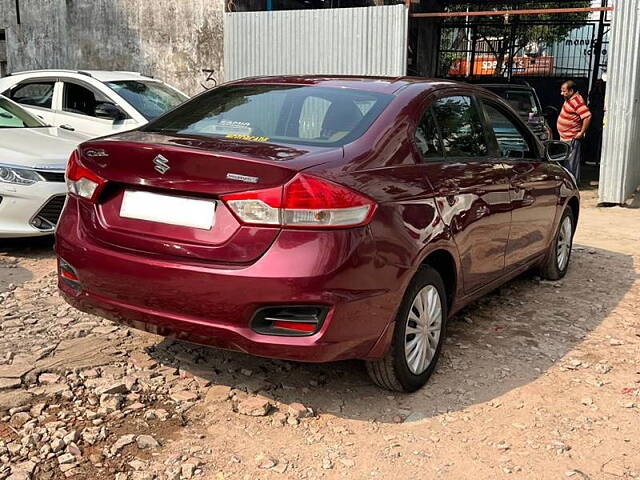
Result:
68,127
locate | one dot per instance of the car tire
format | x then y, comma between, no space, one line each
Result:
556,263
412,357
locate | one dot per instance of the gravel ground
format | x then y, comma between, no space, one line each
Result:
538,380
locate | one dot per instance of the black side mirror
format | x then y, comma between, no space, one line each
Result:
557,151
108,111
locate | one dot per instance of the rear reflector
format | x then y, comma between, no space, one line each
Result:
294,320
299,327
68,274
304,202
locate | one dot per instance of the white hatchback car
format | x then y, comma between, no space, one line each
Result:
91,102
33,158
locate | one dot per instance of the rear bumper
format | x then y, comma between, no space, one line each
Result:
220,335
214,304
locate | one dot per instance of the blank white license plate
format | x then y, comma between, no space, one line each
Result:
153,207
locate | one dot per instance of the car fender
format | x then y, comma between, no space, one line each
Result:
567,192
445,244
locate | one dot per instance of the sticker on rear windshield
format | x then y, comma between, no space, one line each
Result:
251,138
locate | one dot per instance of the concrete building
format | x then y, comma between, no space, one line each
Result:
171,40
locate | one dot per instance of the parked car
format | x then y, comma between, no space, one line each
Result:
91,102
524,100
315,218
33,158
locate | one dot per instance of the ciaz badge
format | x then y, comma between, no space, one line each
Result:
96,152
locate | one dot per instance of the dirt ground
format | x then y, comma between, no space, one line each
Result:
539,380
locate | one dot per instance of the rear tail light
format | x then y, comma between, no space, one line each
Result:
305,201
81,181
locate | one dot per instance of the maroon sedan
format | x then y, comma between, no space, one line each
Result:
315,218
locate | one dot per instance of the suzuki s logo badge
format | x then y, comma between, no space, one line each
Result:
161,164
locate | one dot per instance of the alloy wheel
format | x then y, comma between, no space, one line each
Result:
563,248
423,328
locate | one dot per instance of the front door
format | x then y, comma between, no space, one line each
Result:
78,111
472,190
533,185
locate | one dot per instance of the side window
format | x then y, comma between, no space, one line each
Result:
461,126
81,100
427,137
511,142
37,94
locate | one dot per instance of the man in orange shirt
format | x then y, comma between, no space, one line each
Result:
573,122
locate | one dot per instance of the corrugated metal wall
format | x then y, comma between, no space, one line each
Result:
620,165
348,41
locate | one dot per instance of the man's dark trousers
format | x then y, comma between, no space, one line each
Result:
573,162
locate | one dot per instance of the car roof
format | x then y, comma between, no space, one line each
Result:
100,75
388,85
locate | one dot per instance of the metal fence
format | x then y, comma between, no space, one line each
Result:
620,167
345,41
478,49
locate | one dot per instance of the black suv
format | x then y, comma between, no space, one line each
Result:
524,100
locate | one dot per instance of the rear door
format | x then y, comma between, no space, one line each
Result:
472,189
533,187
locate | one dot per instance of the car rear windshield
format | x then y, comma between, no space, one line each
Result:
13,116
150,98
293,114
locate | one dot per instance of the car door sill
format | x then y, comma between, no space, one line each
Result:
510,275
